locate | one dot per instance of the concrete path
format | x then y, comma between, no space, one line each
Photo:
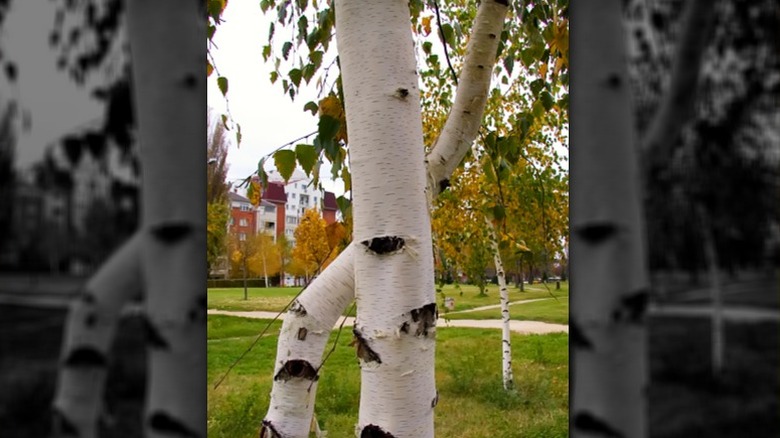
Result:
730,313
524,327
498,306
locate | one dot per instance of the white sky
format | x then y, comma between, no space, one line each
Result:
267,116
55,103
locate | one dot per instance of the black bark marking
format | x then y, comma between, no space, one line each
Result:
171,233
425,317
88,297
435,400
10,72
384,244
597,232
296,368
443,184
267,430
405,327
364,352
302,333
614,81
297,308
90,319
198,312
153,336
503,2
577,337
492,36
480,66
402,93
374,431
62,426
587,422
86,357
189,81
166,424
632,308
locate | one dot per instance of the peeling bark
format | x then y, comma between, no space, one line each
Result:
506,340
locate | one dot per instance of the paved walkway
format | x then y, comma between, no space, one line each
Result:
730,313
524,327
498,306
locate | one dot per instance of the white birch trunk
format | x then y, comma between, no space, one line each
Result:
170,89
302,340
716,293
394,281
608,267
89,332
506,340
465,117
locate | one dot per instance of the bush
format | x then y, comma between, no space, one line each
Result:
250,282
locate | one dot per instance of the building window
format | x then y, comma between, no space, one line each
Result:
230,222
242,222
269,209
315,199
246,207
242,236
293,195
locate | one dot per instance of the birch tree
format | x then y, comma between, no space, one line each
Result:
164,259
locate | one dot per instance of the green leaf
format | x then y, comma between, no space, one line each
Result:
509,63
286,49
222,82
311,106
344,205
225,122
308,72
285,163
449,34
316,58
499,213
427,47
274,77
328,127
313,39
537,86
307,156
261,172
238,134
295,76
347,178
547,100
266,52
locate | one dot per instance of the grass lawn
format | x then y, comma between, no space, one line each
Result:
472,402
686,400
273,299
549,310
29,350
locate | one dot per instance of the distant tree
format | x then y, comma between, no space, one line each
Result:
265,260
217,188
311,248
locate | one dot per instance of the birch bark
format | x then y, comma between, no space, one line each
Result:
608,267
89,331
302,340
506,340
394,288
171,110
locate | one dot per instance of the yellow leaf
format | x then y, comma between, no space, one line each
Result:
543,70
426,23
209,69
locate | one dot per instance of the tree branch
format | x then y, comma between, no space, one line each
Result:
676,106
465,118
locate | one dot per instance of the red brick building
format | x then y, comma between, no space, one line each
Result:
242,216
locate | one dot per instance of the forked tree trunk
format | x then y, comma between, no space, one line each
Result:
608,267
506,340
394,287
384,112
170,94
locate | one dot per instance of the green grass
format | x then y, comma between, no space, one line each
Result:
274,299
549,310
684,397
472,402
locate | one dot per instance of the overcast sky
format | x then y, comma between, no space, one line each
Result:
268,117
